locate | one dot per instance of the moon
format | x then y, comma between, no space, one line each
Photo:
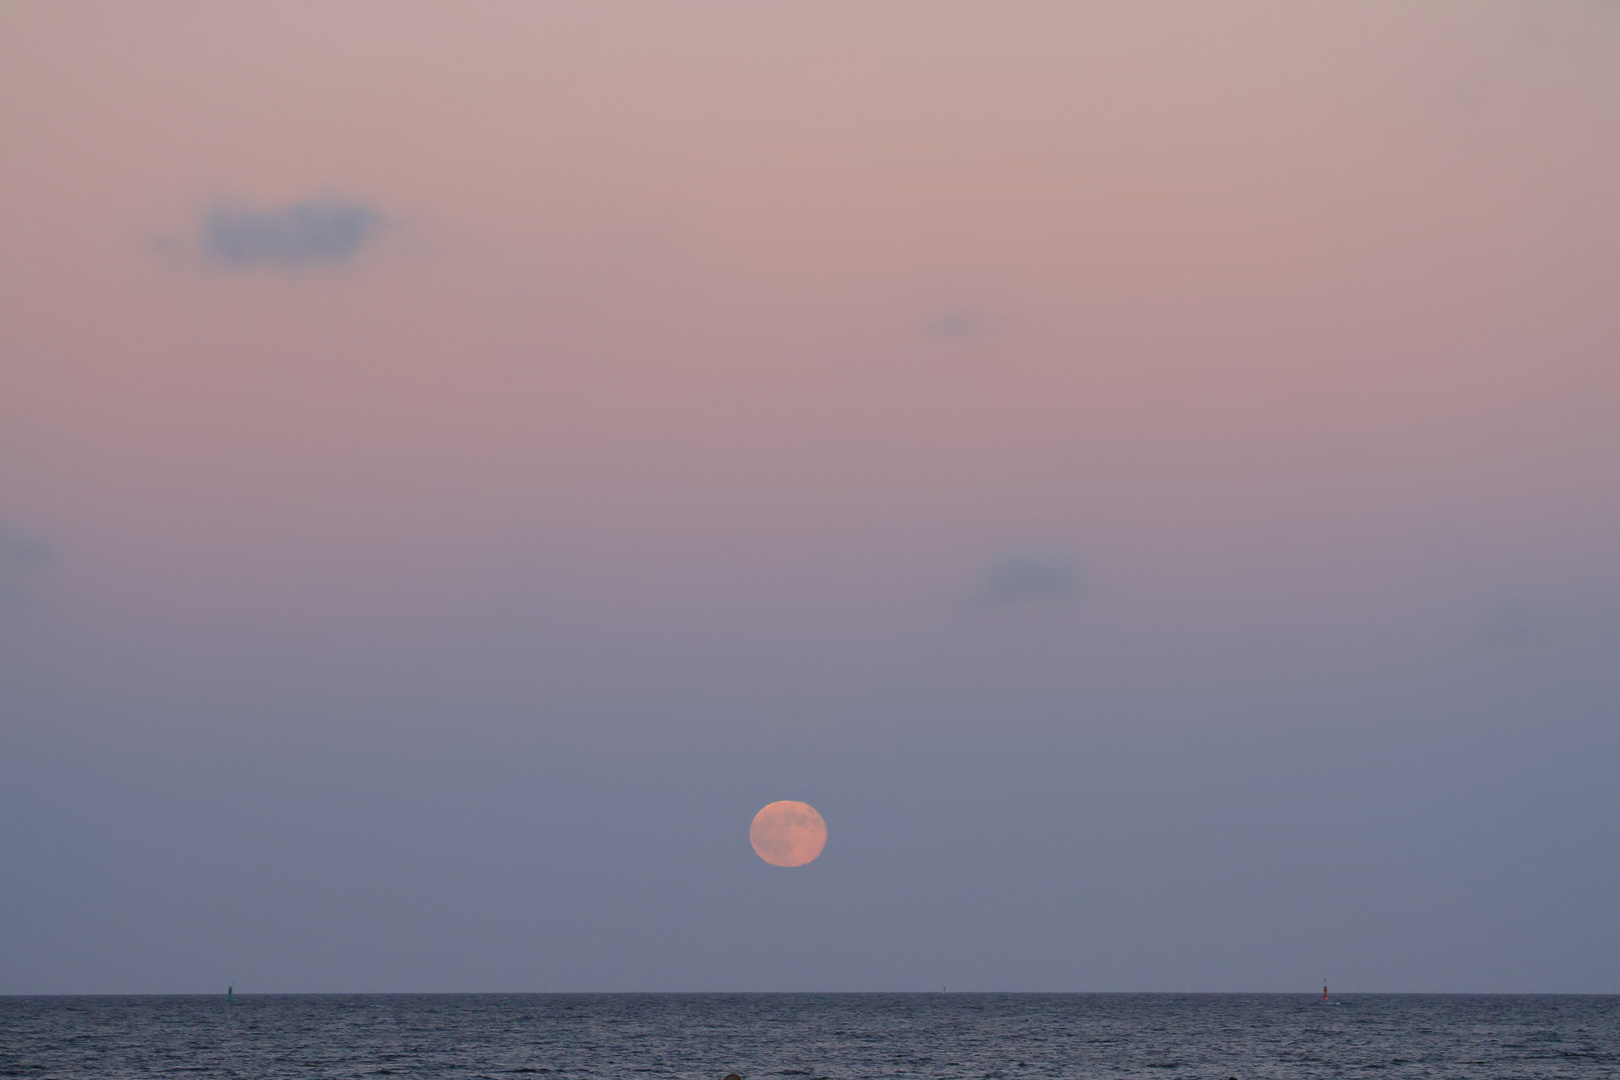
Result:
788,833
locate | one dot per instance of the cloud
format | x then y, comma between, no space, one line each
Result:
1594,618
1510,621
1030,577
956,324
329,230
20,555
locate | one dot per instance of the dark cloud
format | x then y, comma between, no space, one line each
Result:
327,230
20,555
1030,577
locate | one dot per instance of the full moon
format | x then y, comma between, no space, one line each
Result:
788,833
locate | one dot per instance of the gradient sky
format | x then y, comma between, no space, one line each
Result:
1149,474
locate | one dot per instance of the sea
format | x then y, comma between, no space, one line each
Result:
814,1036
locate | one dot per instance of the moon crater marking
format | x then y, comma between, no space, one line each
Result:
788,833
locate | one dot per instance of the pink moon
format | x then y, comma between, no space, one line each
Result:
788,833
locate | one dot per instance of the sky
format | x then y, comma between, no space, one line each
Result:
1147,473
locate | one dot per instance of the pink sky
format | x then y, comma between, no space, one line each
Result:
1260,314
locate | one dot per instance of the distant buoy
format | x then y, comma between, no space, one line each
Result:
732,1076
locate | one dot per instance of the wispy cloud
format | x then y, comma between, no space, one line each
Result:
1512,620
1030,577
956,324
20,555
327,230
1594,617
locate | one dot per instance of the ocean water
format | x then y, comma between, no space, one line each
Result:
832,1036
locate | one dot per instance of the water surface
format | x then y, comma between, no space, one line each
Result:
815,1036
